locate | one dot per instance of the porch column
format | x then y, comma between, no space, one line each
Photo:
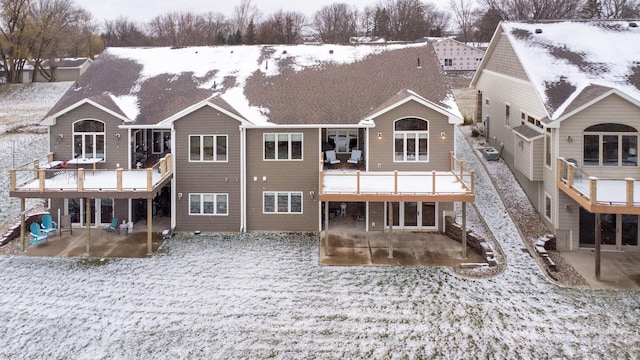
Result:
22,224
597,239
149,225
464,230
390,230
87,211
326,228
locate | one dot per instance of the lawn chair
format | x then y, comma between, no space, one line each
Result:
37,235
355,156
48,225
112,227
65,224
330,157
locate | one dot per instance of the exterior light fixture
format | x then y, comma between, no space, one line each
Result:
443,135
379,136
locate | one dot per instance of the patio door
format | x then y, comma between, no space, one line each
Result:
617,231
100,209
413,215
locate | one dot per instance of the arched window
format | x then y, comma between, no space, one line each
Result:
610,145
88,139
411,140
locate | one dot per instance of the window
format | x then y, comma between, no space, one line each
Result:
610,145
161,141
343,140
448,62
88,139
547,147
282,202
507,113
547,206
208,204
411,140
208,148
282,146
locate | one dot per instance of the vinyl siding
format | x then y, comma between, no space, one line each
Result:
381,151
504,60
116,151
207,177
285,176
612,109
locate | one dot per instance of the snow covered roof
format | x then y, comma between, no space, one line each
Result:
296,84
571,63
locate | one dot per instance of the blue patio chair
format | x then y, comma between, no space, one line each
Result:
330,157
112,227
48,225
355,156
37,235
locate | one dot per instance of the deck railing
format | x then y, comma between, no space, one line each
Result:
36,177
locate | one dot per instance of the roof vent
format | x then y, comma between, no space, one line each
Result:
284,52
330,51
538,31
632,24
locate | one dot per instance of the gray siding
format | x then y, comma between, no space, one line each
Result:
116,150
376,216
286,176
381,151
504,60
207,177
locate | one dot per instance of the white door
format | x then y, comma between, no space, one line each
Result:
413,215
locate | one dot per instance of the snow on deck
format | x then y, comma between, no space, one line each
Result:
132,180
386,182
608,191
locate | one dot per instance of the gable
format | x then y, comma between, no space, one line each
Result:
502,59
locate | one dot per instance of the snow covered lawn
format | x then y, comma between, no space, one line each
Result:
264,295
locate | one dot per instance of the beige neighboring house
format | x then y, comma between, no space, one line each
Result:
455,55
66,69
561,102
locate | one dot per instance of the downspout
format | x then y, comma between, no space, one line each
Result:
366,169
173,180
319,202
243,182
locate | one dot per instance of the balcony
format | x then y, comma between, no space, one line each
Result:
41,180
427,186
597,195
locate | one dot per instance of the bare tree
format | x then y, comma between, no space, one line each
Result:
243,14
535,9
463,11
400,20
282,28
178,29
123,32
437,22
336,23
13,43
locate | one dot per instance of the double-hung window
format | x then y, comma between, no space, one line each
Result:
208,204
411,140
282,146
208,148
281,202
88,139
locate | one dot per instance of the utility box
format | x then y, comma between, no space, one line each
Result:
490,154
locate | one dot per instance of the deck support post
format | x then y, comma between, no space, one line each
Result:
22,224
87,211
464,230
326,228
598,240
149,225
390,230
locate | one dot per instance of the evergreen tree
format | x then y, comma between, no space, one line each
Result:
250,36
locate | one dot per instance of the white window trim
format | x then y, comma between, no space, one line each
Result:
89,133
414,132
215,204
264,158
548,138
550,215
163,146
215,148
601,159
275,205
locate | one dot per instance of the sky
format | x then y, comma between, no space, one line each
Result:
145,10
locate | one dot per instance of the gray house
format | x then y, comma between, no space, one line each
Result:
561,99
256,138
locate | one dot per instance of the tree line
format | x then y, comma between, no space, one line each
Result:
35,32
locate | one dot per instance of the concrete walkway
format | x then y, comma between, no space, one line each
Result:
618,269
